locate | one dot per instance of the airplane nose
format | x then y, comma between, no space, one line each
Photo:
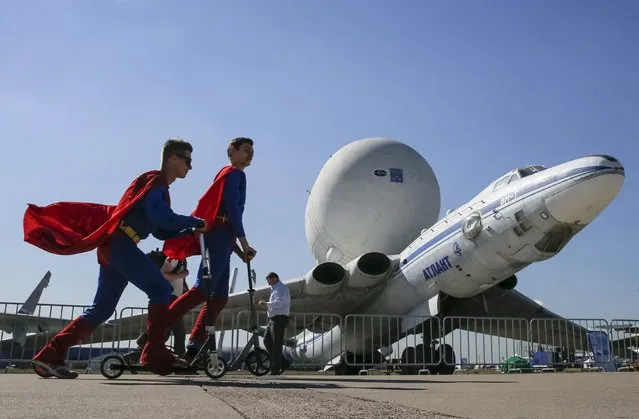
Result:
585,198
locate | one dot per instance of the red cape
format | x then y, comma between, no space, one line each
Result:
68,228
207,207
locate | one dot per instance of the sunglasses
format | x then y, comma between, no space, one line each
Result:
187,160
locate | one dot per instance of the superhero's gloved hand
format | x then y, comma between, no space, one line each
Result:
202,226
248,253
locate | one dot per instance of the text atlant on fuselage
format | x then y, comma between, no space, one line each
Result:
440,266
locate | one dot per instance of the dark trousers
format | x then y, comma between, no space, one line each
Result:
273,341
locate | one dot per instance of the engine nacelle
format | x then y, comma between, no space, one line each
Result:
508,283
367,270
325,278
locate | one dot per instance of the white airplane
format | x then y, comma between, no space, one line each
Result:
365,225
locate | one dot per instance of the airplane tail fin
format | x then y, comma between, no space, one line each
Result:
32,301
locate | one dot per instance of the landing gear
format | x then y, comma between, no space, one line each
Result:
357,363
439,359
447,364
342,368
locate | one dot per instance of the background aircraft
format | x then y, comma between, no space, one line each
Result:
33,324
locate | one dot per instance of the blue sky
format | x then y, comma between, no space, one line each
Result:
89,91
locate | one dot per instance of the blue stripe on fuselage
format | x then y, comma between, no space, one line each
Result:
527,190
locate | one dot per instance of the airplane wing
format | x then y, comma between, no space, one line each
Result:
487,313
34,342
9,323
341,302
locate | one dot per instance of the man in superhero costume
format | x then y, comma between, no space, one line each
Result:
222,206
68,228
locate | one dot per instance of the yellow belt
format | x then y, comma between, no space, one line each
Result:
129,232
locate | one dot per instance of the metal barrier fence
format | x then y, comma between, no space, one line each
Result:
624,338
23,334
366,334
492,340
414,344
314,339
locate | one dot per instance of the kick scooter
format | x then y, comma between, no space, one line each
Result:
213,365
257,360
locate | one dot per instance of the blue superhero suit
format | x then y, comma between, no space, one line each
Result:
219,241
127,263
121,262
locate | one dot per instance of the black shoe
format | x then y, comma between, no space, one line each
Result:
46,370
285,364
133,357
142,340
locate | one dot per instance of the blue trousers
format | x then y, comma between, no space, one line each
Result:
219,242
127,263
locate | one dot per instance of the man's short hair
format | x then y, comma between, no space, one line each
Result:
237,142
273,275
175,145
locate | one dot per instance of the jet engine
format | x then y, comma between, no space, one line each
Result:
325,278
367,270
508,283
372,195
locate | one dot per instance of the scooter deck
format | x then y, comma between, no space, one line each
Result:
185,369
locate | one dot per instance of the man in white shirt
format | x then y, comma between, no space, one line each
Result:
278,309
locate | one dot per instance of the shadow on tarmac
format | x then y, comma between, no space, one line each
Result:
290,382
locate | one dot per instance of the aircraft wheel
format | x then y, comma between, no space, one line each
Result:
448,354
258,362
108,362
215,368
408,357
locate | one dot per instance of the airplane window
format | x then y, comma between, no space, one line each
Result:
527,171
513,177
501,182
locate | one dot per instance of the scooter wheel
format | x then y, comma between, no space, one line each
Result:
215,368
258,362
108,362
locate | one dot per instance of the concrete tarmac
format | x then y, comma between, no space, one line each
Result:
591,395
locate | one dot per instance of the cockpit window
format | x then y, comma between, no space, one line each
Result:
506,179
501,182
513,177
527,171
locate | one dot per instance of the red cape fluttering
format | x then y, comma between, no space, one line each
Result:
68,228
207,207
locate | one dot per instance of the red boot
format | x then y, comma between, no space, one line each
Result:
198,334
185,303
50,360
155,356
178,308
